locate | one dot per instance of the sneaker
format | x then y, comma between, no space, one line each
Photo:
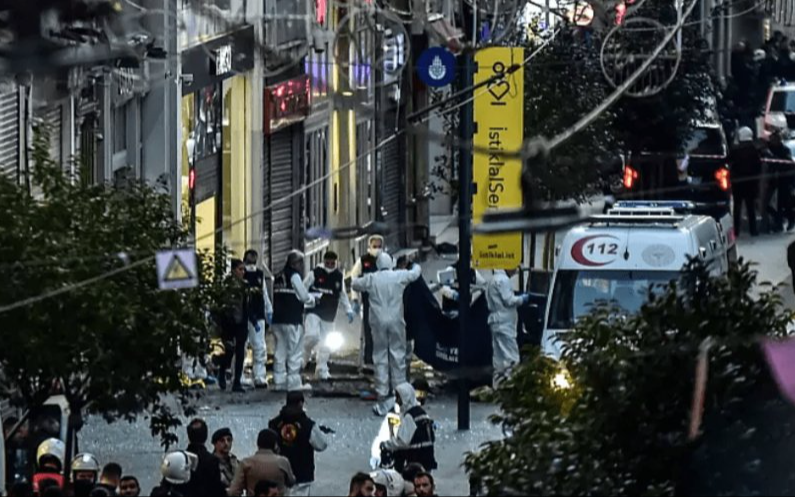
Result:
379,410
238,389
222,382
261,385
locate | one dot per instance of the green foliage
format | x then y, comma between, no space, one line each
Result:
115,344
622,429
565,81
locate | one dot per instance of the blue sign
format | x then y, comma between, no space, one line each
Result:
436,67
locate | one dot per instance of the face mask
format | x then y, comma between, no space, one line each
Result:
375,252
330,269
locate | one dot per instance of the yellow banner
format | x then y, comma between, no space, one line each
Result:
499,121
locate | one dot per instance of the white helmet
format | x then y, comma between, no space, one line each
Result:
384,261
52,447
85,462
391,480
178,465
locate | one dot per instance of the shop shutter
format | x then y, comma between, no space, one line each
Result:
282,158
86,119
9,134
393,167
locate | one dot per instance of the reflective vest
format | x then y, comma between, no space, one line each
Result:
256,300
421,447
287,308
294,432
39,478
330,286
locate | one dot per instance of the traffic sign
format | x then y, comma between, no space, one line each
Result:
436,67
176,269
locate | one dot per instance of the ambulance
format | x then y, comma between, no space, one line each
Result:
619,257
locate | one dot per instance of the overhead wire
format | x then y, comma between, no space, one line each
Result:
527,150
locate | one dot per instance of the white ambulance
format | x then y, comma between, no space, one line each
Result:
620,256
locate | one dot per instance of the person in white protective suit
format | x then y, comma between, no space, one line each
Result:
503,320
366,264
327,284
390,483
449,289
290,296
260,313
385,289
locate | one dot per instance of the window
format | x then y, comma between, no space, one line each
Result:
316,195
207,123
317,67
576,292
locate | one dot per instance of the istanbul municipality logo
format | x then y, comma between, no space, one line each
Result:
436,67
437,70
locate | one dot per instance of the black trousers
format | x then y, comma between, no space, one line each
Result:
367,332
235,343
747,197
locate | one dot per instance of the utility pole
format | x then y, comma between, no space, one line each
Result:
466,130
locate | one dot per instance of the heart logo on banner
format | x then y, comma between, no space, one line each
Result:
499,89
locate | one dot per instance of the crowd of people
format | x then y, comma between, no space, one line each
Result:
284,463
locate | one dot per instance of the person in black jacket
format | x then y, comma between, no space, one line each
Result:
746,166
235,327
206,478
299,438
778,181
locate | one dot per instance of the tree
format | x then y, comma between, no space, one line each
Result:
565,81
114,346
622,429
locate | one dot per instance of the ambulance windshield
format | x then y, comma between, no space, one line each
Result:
576,292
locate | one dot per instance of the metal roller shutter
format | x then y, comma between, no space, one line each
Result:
393,167
282,154
9,134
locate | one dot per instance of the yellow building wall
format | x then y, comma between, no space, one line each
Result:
236,162
205,226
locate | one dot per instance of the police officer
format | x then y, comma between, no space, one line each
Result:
290,296
365,265
176,470
450,292
299,438
327,281
85,474
415,438
260,312
49,464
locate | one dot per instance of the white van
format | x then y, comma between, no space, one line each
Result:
619,256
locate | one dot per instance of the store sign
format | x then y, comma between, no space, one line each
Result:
223,60
286,103
499,117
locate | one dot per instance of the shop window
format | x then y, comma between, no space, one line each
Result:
207,122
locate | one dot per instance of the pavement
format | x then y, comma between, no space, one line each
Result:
335,404
349,449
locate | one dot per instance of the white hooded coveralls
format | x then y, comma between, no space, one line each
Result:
386,288
503,319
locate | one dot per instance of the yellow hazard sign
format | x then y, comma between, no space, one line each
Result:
499,120
176,269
